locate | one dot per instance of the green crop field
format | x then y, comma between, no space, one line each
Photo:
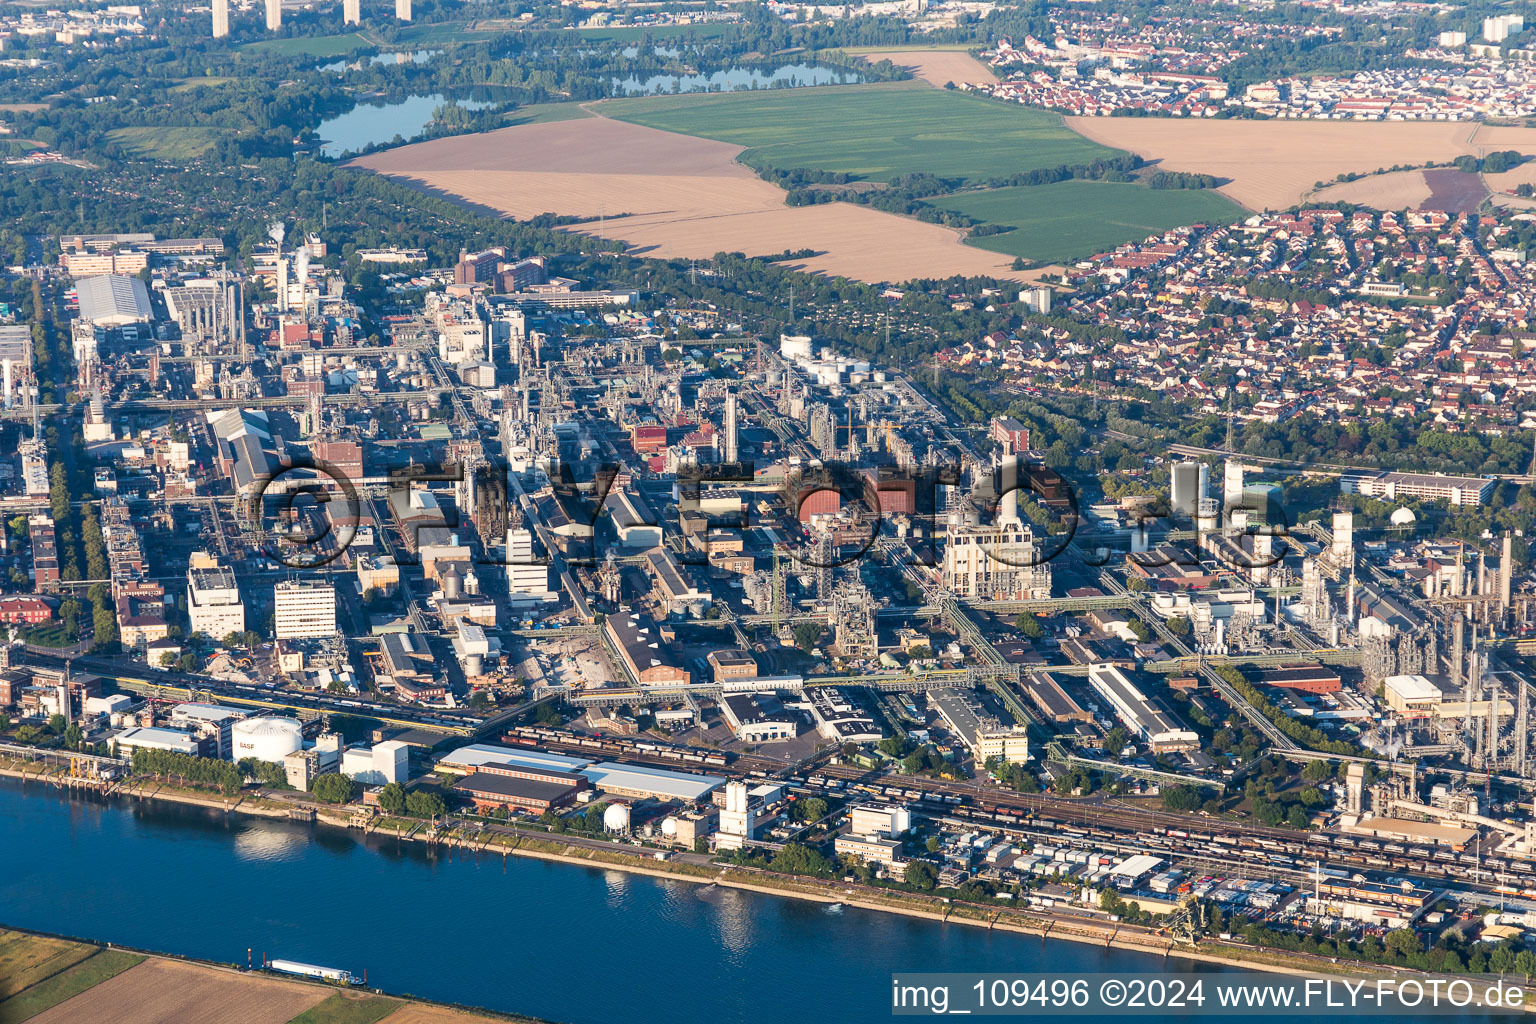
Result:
173,145
311,46
875,131
1072,219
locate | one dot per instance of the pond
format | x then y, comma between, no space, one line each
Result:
368,124
398,57
737,79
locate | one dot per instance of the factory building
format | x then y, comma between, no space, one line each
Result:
378,765
647,658
758,718
178,741
1377,903
839,720
983,734
113,300
1303,678
995,562
879,820
1047,695
475,756
210,724
1143,716
1412,696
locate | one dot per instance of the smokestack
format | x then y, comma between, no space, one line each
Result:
1506,572
220,18
403,10
352,11
9,386
274,15
282,285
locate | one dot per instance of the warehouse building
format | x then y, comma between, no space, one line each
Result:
1304,678
1164,733
475,756
112,300
490,792
642,782
1047,695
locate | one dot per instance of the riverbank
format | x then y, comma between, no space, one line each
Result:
59,980
1084,932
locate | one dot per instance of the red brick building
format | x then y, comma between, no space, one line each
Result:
27,611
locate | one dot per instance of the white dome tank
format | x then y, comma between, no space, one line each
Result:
266,739
669,828
616,818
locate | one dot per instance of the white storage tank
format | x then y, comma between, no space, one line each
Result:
266,739
616,818
669,828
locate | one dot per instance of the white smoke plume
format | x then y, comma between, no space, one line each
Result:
301,264
276,231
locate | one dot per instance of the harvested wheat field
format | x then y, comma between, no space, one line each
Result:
1396,190
937,67
168,992
1273,164
675,196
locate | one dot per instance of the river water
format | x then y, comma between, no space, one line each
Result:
573,944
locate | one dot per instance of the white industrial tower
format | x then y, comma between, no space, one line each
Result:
732,429
220,18
352,11
403,10
274,15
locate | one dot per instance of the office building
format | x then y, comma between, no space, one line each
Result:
214,607
1460,491
526,572
304,610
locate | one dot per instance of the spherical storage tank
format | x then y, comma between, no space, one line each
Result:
616,818
266,739
669,828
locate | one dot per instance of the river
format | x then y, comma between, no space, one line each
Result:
573,944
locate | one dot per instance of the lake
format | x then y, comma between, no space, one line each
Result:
368,124
737,79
